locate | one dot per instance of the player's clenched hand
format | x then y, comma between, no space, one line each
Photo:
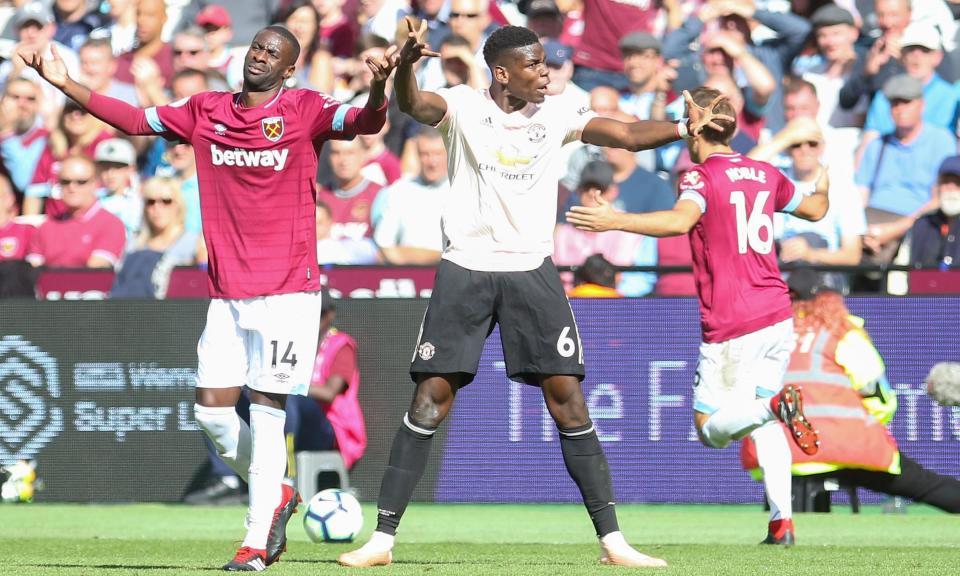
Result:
53,70
701,117
597,218
416,46
384,65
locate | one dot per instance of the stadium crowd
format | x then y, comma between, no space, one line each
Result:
871,88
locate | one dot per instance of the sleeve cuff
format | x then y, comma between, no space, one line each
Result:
696,197
794,202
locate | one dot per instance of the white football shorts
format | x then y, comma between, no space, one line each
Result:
268,343
742,368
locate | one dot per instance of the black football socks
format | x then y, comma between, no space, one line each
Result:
587,465
408,459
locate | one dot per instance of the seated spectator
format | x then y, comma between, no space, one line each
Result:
117,169
468,19
605,22
84,235
75,21
382,16
329,417
216,24
640,190
932,241
920,54
898,171
408,230
78,133
190,50
350,196
882,61
336,30
342,250
314,65
546,20
383,166
836,33
595,278
162,244
560,70
460,64
14,237
182,164
150,47
98,68
23,137
849,400
836,239
650,78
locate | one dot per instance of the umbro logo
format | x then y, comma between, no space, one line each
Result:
219,129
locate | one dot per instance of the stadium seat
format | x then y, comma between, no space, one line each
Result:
813,493
310,465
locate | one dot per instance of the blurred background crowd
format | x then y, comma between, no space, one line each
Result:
869,87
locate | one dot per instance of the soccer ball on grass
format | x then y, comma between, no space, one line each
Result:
333,516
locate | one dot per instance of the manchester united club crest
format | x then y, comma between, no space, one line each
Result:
272,128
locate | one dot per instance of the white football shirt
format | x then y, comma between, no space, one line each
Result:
503,169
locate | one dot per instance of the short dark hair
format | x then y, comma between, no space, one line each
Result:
596,270
505,39
703,96
368,41
287,35
795,85
189,73
98,43
455,40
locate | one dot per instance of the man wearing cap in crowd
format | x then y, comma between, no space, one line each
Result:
545,19
934,239
248,17
116,162
836,35
216,24
650,79
75,21
920,54
557,57
897,171
35,28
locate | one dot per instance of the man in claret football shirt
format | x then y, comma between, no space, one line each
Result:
256,162
726,205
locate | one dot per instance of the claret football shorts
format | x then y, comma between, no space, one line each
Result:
268,343
537,327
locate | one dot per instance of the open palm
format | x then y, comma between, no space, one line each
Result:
53,70
416,46
703,116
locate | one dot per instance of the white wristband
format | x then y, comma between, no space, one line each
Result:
682,130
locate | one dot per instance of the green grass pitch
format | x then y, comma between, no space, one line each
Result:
481,540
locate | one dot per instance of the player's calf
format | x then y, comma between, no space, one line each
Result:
277,537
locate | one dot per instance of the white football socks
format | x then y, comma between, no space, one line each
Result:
773,454
229,433
733,422
378,542
268,464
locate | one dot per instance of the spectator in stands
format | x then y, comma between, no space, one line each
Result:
249,16
36,28
75,21
934,239
605,22
408,232
314,64
336,31
650,78
350,195
749,123
150,47
558,58
77,133
436,13
98,69
920,54
162,244
732,48
596,277
836,239
640,189
898,171
460,64
469,19
122,29
836,35
875,67
85,235
382,17
117,170
181,158
545,19
14,237
216,24
383,166
846,392
190,50
571,247
23,137
342,250
328,418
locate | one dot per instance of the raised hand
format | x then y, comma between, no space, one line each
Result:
597,218
53,70
700,117
416,46
384,65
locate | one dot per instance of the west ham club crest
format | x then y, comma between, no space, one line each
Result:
272,128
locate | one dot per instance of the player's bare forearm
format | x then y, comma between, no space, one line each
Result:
601,218
424,107
378,94
658,224
813,207
633,136
76,91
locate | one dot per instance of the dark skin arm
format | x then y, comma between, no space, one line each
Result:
425,107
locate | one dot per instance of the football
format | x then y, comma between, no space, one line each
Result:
333,516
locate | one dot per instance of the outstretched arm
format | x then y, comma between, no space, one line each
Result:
814,207
602,217
645,134
424,107
116,113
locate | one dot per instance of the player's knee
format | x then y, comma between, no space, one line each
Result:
215,423
427,413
